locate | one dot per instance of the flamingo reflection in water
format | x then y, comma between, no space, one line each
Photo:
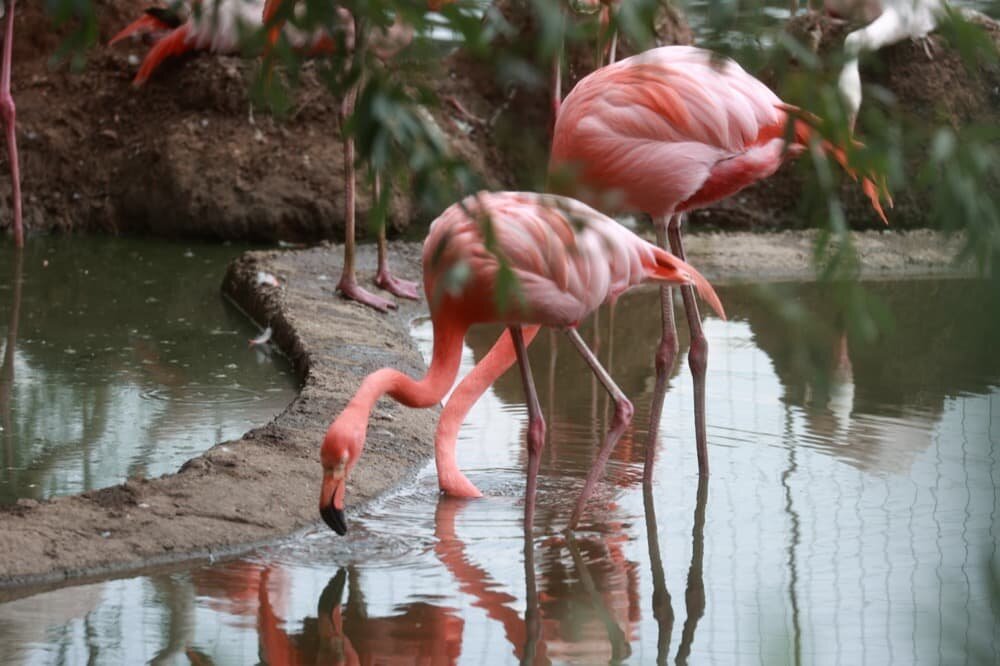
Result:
585,605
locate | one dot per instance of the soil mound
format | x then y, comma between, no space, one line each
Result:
930,89
187,154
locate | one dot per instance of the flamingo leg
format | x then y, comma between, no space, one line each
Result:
384,279
666,356
663,610
7,112
556,74
536,429
620,649
348,285
698,352
532,612
694,594
622,417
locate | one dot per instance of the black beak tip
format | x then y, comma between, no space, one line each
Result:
334,517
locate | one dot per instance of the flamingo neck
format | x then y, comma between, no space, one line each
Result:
425,392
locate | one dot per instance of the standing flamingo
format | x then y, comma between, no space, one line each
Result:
566,258
7,112
385,44
667,131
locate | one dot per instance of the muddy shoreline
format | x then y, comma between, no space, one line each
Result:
242,494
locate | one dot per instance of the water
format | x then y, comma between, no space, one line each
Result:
845,523
121,357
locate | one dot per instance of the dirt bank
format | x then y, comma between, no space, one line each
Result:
242,493
265,485
186,155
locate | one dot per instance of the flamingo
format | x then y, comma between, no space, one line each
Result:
385,44
894,21
666,131
566,259
8,114
215,26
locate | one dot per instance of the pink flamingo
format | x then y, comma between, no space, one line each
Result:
667,131
385,45
566,258
8,113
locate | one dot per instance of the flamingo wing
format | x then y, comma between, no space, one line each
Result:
659,126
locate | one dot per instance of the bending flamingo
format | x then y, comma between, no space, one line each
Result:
385,44
667,131
894,21
8,114
567,259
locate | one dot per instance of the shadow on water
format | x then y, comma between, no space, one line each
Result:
846,523
121,358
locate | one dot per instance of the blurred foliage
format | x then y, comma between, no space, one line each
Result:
397,137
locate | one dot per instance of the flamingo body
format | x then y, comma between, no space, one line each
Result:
669,130
673,129
564,273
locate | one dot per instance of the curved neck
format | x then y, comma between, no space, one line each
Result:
426,392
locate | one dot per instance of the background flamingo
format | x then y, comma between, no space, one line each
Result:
566,259
7,112
385,44
894,21
666,131
216,26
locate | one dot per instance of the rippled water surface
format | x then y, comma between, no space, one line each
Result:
121,357
845,522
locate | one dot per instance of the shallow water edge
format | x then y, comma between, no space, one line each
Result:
241,494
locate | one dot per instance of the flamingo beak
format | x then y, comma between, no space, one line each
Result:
331,499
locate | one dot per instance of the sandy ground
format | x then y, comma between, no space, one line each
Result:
264,486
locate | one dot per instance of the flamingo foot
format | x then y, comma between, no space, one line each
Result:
351,290
397,286
457,485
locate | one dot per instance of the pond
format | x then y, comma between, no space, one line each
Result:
122,358
848,522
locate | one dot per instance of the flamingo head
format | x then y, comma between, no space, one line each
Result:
341,449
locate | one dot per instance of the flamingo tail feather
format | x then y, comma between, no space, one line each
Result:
874,186
153,19
174,44
671,269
